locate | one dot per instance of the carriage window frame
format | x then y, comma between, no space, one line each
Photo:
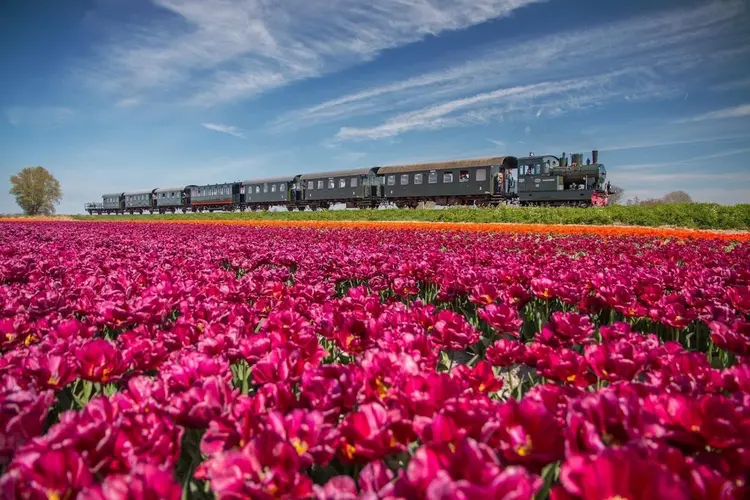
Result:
265,188
391,180
447,177
331,184
418,178
353,182
404,181
273,188
463,176
320,184
481,175
311,185
432,177
342,183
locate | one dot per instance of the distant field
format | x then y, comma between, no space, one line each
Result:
696,216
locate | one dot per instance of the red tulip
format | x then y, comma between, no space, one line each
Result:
525,433
452,331
51,474
100,361
22,416
146,482
502,318
619,473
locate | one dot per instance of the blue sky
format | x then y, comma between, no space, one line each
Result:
118,95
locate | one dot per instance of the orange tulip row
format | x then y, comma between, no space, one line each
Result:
560,229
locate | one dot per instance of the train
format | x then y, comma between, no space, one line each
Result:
544,180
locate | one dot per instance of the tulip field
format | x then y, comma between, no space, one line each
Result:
146,360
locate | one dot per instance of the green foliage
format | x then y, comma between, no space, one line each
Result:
36,191
692,215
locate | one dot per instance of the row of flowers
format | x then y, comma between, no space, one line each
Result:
156,361
482,227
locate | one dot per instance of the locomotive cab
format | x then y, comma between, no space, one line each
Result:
549,180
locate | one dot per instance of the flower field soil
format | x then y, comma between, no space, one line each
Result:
168,361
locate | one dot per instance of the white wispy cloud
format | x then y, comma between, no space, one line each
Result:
721,114
741,83
227,129
668,143
128,102
638,168
37,115
224,50
559,98
350,156
660,46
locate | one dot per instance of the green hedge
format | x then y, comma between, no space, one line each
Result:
693,215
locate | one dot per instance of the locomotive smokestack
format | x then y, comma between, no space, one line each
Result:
595,156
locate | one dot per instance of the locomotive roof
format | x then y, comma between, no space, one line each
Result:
336,173
166,190
445,165
270,180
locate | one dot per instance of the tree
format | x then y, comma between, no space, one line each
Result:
677,197
36,191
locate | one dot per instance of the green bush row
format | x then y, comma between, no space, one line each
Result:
693,215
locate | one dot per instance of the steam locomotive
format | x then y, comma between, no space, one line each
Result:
533,180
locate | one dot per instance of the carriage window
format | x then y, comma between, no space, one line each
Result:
432,177
257,189
342,183
391,180
310,184
353,182
331,184
481,175
404,179
447,177
417,178
273,188
463,176
320,184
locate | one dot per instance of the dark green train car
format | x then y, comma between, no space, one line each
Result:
461,182
356,187
264,193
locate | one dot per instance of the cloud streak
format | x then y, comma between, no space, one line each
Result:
226,129
220,51
558,98
37,115
740,111
661,46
